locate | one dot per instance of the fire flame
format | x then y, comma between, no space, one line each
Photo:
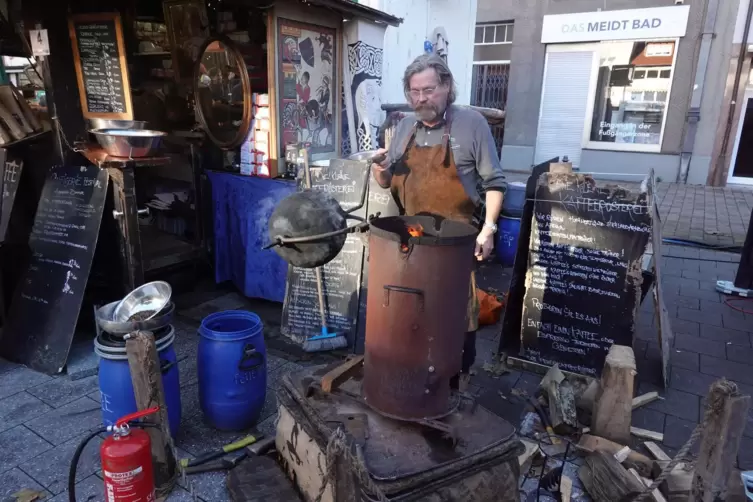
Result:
414,231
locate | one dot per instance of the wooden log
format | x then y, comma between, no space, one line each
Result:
561,400
644,399
614,402
641,463
334,378
720,441
647,434
147,388
656,451
587,400
606,480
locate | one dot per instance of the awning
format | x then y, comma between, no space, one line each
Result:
350,8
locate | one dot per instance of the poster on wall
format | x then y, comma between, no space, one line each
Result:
308,69
365,65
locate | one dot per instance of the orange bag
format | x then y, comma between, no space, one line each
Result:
489,308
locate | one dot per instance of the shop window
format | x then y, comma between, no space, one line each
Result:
630,115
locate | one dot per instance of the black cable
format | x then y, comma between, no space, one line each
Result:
80,450
74,463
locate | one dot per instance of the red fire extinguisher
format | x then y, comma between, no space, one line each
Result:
126,461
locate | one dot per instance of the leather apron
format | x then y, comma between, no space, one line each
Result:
426,182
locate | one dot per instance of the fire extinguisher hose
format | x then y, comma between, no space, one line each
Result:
80,450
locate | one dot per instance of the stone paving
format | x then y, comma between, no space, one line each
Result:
42,418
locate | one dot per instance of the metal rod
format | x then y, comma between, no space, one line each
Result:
365,188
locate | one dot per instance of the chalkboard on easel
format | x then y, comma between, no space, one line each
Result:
343,180
43,315
101,66
583,282
12,167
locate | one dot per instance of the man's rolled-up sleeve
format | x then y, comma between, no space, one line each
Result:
487,159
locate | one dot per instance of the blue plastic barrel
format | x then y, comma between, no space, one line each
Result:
116,389
507,240
232,368
515,199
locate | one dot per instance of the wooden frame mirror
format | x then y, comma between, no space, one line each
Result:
222,92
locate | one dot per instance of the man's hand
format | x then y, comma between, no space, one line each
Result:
484,244
380,169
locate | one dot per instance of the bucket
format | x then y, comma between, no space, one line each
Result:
515,199
507,240
232,369
115,386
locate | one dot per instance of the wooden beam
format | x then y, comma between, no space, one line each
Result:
613,408
492,115
640,462
606,480
334,378
658,497
147,388
647,434
656,451
566,488
644,399
720,441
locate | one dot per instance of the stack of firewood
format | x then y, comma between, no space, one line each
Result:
17,120
595,417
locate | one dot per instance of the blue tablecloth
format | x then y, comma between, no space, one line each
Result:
242,207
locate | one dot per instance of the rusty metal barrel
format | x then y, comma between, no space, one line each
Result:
416,314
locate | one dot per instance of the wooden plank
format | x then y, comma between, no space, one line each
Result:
606,480
647,434
720,442
640,462
566,488
612,411
144,364
656,451
658,497
332,379
644,399
561,399
622,454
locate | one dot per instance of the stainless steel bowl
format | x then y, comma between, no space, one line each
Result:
147,300
130,143
363,156
96,124
104,317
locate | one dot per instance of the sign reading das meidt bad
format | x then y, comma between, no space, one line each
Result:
634,24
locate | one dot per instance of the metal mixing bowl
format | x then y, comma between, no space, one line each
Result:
96,124
364,156
130,143
149,298
104,317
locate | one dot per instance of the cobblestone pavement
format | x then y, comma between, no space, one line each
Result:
713,216
42,418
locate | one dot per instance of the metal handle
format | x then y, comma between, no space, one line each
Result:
116,214
165,365
403,289
251,358
143,212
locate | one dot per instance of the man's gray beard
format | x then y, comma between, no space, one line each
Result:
427,114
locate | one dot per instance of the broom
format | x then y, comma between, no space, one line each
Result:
327,340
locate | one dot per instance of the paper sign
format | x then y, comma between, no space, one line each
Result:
40,44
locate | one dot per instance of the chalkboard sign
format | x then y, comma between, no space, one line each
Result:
101,67
42,318
584,276
12,167
343,180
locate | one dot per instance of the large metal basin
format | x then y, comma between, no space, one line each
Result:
104,318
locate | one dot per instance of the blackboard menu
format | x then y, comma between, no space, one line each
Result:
343,180
100,65
583,282
42,318
12,167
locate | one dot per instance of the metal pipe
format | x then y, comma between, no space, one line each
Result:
722,159
694,111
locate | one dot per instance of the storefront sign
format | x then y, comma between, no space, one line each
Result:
659,22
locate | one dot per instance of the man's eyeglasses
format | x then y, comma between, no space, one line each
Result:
417,93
